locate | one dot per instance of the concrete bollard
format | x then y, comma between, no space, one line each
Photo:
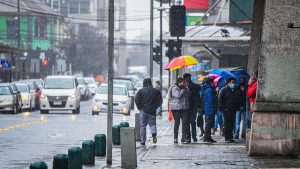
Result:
124,124
116,134
88,152
137,127
60,161
128,148
100,145
248,132
75,158
38,165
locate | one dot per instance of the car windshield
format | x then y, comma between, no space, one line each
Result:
81,81
39,84
4,90
90,81
116,91
22,88
59,83
128,84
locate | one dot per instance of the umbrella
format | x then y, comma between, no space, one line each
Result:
180,62
240,73
223,73
220,82
213,76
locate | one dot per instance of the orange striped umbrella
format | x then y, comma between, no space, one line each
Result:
180,62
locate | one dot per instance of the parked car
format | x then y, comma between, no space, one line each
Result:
83,88
91,84
35,86
60,93
130,87
8,99
18,97
121,102
27,97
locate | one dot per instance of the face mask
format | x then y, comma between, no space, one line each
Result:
231,85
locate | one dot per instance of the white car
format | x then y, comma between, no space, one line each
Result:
91,84
8,99
60,93
83,88
28,100
121,103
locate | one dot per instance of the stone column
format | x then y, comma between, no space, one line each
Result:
276,117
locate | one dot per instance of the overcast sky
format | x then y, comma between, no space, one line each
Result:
141,9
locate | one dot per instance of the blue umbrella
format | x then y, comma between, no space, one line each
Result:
223,73
241,73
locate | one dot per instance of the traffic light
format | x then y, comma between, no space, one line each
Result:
174,48
177,20
45,62
157,54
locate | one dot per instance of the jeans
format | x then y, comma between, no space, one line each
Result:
147,119
219,120
184,116
238,118
192,118
209,122
229,119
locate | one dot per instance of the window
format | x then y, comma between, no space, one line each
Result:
59,83
84,7
41,27
12,27
74,7
55,4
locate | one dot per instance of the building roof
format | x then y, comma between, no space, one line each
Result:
214,33
26,6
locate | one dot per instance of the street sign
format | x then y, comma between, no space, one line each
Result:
5,64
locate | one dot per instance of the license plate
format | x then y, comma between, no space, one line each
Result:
57,103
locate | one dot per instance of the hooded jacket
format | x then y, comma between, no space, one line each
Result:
210,100
148,99
180,98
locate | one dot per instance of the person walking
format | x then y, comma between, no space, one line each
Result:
219,120
194,101
242,112
210,108
147,100
180,108
229,103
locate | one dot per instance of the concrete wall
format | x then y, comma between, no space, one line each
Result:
279,60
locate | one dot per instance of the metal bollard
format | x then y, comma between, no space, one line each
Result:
38,165
137,127
100,145
88,152
124,124
75,158
128,148
60,161
116,134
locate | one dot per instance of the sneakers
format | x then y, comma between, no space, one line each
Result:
154,138
195,139
209,141
229,141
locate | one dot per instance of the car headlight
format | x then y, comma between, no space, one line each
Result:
43,96
124,110
24,97
73,96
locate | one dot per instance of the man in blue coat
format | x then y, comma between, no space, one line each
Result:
210,107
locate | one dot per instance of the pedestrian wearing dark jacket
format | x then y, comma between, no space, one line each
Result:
147,100
242,111
194,101
180,107
229,103
210,108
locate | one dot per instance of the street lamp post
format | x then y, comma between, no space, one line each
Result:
110,82
151,39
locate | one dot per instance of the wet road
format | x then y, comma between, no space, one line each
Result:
30,137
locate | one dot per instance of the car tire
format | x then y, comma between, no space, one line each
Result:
132,104
76,111
95,113
128,114
14,111
44,111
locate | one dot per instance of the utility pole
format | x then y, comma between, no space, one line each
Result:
151,39
110,81
19,26
161,49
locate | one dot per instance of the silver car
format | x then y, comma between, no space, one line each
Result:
8,99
